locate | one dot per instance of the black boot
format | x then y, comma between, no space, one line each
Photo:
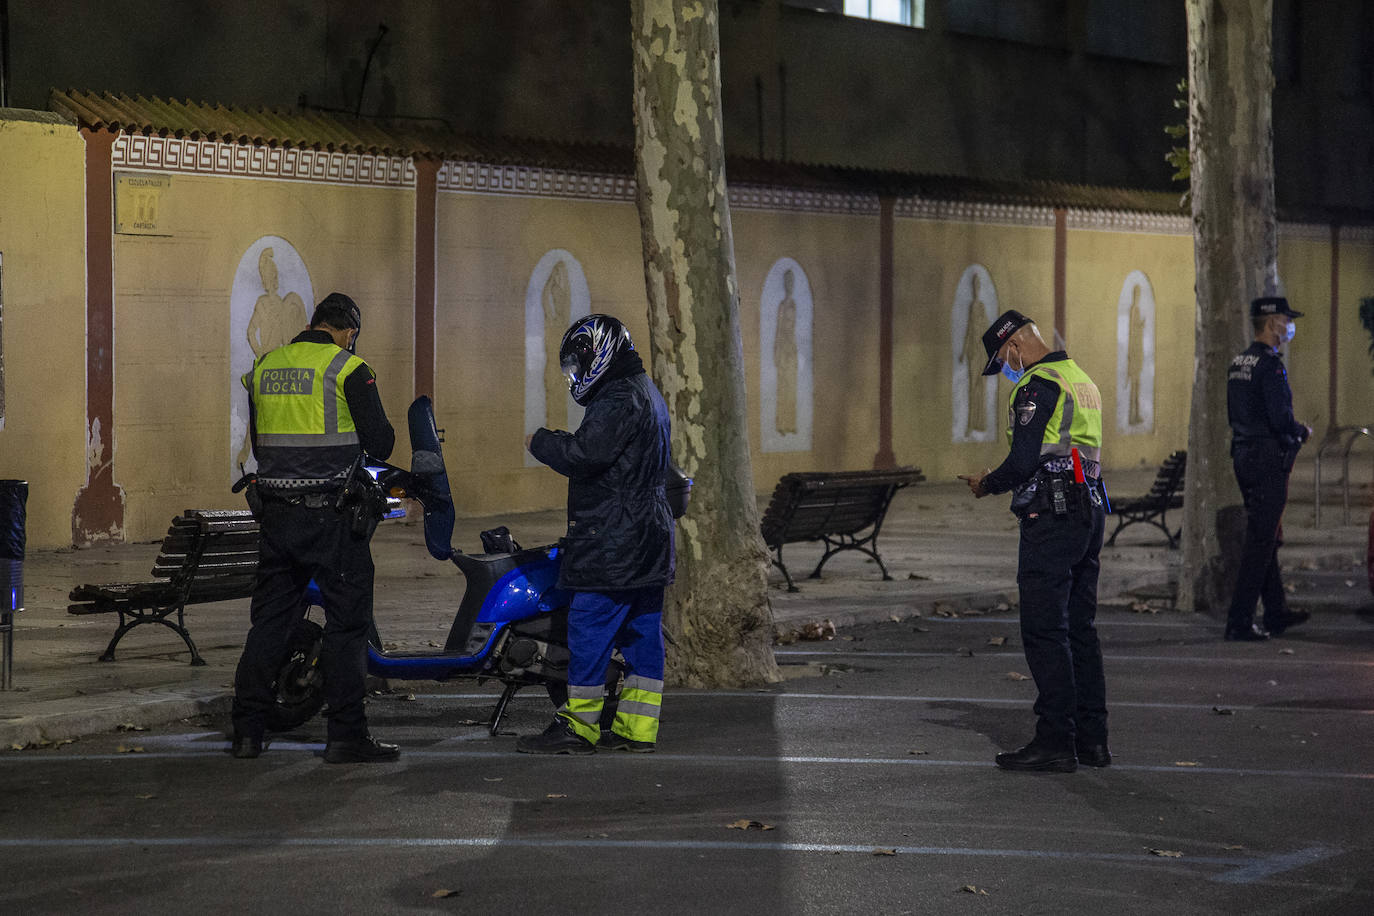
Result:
1252,633
614,742
1093,753
366,749
1040,757
1285,620
558,738
246,747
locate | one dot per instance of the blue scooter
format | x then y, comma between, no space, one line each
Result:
512,621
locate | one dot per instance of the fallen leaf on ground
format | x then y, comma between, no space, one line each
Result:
1186,763
918,577
145,797
824,629
944,610
555,795
1223,711
471,722
997,640
1234,846
920,629
443,892
1001,606
919,753
964,652
884,852
745,824
1143,607
492,778
894,618
1287,652
1349,583
129,749
408,698
970,889
1166,853
130,727
1017,676
16,746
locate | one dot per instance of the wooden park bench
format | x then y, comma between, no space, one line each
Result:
1165,494
208,555
836,508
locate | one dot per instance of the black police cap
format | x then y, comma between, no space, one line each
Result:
1007,324
339,312
1265,306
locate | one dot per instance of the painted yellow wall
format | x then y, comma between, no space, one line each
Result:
42,239
487,248
172,323
931,256
840,257
1355,392
1305,267
1096,267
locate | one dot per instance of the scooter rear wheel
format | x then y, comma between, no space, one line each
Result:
300,685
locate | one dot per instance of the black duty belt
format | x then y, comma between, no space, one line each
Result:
325,500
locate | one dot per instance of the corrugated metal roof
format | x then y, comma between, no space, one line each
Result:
311,128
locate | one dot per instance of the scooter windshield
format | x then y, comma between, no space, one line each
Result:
427,467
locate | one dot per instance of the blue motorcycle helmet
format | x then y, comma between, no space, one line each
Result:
588,349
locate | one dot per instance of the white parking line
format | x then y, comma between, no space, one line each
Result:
1189,659
1248,869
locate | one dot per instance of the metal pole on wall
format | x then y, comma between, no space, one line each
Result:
13,497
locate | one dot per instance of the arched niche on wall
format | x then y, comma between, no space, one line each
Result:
1135,355
270,302
786,312
973,396
556,295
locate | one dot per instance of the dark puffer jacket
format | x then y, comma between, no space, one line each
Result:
620,530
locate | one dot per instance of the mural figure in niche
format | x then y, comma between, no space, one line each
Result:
972,395
785,358
267,307
1135,354
276,319
973,368
557,302
786,314
556,295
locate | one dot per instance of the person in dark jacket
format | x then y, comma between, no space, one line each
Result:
1264,442
617,556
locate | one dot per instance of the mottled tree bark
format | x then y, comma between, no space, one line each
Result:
1235,244
717,613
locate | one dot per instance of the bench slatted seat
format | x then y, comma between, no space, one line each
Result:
1166,493
834,507
208,555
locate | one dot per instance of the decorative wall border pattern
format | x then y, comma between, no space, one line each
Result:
963,211
769,197
533,181
1304,232
241,160
1128,221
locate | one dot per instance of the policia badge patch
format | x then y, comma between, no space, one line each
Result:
1025,413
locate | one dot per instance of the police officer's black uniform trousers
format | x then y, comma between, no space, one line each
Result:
299,543
1262,472
1057,576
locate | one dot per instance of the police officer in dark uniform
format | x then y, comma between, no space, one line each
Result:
314,411
1054,472
1264,443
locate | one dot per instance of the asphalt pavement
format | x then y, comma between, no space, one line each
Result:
863,782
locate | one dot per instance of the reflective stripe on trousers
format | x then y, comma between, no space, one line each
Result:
636,717
583,710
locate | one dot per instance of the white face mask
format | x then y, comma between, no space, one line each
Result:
1289,330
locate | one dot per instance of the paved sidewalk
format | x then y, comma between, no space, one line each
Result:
948,555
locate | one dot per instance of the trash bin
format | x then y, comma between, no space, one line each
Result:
14,495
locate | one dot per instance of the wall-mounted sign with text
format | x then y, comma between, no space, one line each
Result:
140,200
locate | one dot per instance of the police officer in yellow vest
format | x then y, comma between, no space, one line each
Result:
314,411
1053,471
